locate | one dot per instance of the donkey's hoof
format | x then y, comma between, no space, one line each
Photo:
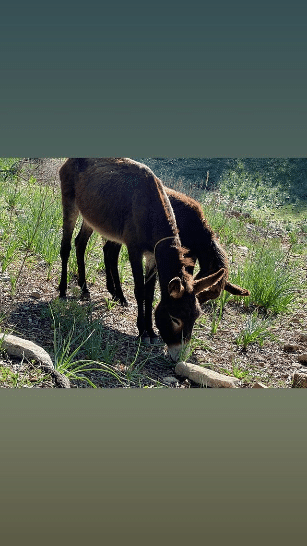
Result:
144,338
154,340
121,300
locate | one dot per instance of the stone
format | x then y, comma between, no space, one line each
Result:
259,385
303,337
243,249
206,377
290,347
302,357
299,380
170,380
36,295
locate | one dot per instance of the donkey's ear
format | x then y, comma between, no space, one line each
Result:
175,288
207,282
236,290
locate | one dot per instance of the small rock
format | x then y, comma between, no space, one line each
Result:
36,295
259,385
303,337
170,380
299,380
302,357
243,249
290,347
235,213
261,361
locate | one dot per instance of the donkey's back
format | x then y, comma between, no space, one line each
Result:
118,197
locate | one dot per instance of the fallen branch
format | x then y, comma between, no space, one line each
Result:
206,377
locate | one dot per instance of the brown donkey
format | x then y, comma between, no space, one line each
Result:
197,236
126,203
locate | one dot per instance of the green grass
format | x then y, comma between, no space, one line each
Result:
255,330
237,372
269,277
11,379
67,349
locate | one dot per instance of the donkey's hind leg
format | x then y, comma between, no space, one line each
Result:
70,215
80,242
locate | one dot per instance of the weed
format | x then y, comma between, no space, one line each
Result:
66,361
237,372
269,278
110,303
8,377
256,330
15,379
217,307
8,255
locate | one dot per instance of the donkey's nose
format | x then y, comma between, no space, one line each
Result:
174,351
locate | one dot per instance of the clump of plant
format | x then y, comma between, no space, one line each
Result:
66,355
255,330
269,278
237,372
217,307
16,379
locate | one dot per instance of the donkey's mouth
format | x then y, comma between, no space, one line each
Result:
175,351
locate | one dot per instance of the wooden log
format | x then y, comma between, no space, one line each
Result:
206,377
23,348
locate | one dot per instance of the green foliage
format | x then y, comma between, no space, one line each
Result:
217,311
110,303
230,230
269,278
67,348
255,330
237,372
217,307
11,379
250,190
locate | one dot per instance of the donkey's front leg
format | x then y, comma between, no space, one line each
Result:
139,292
150,281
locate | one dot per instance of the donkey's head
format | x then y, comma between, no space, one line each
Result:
178,310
